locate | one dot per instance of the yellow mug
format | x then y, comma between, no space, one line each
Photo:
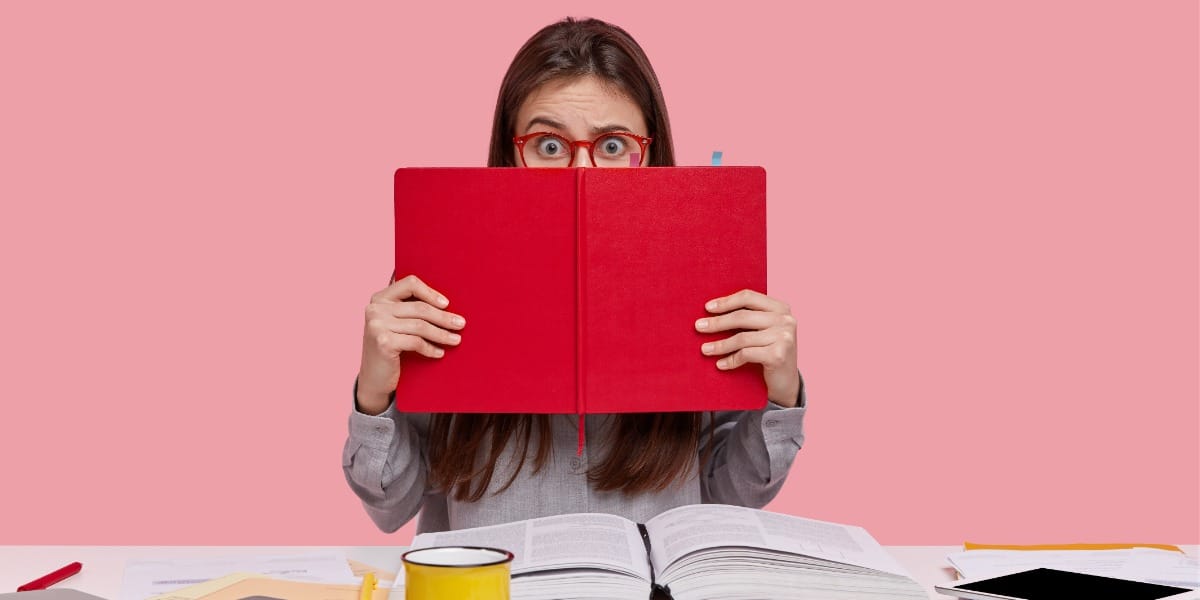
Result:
459,572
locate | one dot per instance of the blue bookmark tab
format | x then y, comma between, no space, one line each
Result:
716,159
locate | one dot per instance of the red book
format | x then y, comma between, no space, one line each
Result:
580,287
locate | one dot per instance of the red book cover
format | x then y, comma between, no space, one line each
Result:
580,287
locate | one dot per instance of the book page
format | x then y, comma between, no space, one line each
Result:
684,530
562,542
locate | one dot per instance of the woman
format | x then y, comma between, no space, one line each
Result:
578,93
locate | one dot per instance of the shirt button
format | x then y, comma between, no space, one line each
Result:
772,422
381,428
575,462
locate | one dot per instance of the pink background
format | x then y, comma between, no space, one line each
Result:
983,214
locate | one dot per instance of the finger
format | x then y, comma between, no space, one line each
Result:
768,356
745,339
392,344
746,299
415,309
380,315
381,321
425,330
411,286
740,319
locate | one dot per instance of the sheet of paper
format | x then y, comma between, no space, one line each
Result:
973,564
264,588
1139,564
146,578
200,590
1166,568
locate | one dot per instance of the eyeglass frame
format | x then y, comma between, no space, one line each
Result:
643,143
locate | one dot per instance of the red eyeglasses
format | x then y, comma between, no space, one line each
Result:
616,149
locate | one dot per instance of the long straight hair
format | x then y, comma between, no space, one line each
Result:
649,451
575,48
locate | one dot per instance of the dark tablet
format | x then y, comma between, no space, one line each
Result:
1052,584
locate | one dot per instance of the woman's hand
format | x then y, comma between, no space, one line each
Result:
405,316
769,339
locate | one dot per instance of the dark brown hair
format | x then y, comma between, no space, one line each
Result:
645,451
574,48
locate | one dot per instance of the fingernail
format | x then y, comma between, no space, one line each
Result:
702,323
458,321
712,305
455,338
438,352
442,301
721,364
707,348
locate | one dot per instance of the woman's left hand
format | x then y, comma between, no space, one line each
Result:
769,338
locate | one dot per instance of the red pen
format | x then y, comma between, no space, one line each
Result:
50,579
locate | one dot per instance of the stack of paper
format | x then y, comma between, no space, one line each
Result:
1151,565
242,587
150,578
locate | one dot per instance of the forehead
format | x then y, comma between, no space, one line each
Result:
581,104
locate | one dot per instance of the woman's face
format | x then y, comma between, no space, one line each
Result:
579,109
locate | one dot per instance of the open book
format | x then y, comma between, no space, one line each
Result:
577,263
691,552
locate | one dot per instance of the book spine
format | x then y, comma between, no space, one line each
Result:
657,591
580,304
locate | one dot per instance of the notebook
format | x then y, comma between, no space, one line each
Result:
580,287
50,594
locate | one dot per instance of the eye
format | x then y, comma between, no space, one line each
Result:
613,145
550,146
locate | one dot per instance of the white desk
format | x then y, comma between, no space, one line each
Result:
104,566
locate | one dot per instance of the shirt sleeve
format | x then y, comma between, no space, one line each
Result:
751,453
385,463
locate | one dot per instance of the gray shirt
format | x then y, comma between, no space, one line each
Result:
385,463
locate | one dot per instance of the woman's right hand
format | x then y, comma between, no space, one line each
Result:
406,316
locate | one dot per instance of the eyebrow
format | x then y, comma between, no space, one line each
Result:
551,123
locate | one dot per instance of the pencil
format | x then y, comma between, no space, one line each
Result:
368,587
